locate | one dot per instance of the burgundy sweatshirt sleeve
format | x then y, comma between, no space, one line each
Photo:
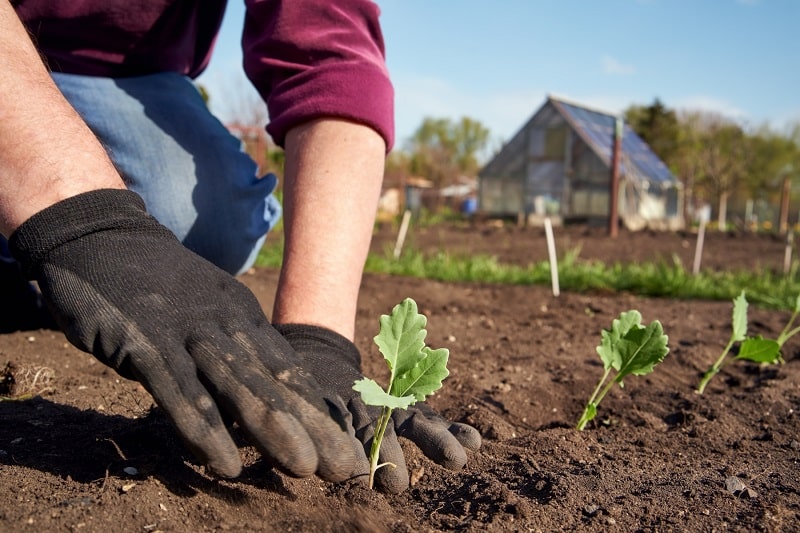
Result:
318,58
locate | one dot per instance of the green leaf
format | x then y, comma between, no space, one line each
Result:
373,394
759,350
608,350
402,337
424,377
416,369
797,304
640,350
739,319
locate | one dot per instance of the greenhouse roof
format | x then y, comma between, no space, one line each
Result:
597,130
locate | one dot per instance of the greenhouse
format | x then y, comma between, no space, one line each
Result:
560,165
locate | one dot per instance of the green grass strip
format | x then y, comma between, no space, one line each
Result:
663,280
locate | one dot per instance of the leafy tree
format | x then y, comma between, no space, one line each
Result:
774,163
722,158
397,166
686,160
772,152
714,157
658,127
442,150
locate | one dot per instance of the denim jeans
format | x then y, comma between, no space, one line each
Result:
191,172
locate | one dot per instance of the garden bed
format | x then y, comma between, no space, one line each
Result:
658,456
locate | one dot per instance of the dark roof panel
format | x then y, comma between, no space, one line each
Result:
597,129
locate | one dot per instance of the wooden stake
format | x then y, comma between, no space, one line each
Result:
613,194
551,253
698,251
787,254
401,235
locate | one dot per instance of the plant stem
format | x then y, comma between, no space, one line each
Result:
585,418
374,452
605,390
597,389
786,334
715,368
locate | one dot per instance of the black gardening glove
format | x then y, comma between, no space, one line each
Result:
123,288
336,364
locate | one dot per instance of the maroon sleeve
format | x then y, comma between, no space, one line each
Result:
318,58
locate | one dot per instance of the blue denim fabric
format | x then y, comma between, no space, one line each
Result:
5,253
191,172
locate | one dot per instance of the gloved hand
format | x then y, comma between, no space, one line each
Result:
336,364
123,288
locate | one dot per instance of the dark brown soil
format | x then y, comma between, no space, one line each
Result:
658,458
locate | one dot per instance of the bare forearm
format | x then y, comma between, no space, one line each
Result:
333,175
47,153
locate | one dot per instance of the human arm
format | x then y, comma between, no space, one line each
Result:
335,149
124,289
320,68
47,153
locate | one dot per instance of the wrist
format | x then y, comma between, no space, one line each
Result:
17,211
73,218
320,343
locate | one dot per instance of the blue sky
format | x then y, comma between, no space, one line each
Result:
497,61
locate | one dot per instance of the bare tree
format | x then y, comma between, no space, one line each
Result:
245,115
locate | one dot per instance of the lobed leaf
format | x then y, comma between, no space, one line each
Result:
424,377
642,349
416,370
760,350
373,394
608,350
402,337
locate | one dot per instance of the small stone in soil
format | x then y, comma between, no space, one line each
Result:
737,487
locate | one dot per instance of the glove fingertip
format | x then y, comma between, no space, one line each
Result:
436,441
394,482
468,436
448,456
217,451
337,467
227,467
392,478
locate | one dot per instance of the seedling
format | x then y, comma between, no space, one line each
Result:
756,349
416,371
787,332
629,348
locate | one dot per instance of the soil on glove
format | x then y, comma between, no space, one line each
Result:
82,449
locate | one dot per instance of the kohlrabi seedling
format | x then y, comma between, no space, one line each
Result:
756,349
416,370
629,348
788,332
